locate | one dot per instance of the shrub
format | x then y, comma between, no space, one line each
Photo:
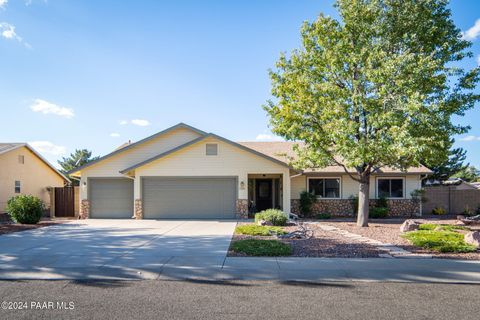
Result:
444,227
25,209
323,216
275,216
441,241
255,247
307,199
439,211
382,202
467,211
354,201
378,212
256,230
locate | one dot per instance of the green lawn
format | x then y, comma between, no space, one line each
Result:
441,241
254,247
445,227
256,230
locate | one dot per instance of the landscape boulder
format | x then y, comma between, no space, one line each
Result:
264,223
473,238
409,225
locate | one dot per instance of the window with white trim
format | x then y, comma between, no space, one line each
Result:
17,187
324,187
390,187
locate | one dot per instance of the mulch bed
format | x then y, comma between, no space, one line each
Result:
323,244
10,227
388,231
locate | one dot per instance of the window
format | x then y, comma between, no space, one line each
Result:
21,159
390,188
17,187
212,149
324,187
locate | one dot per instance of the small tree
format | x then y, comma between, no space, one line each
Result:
376,89
453,164
307,199
469,174
75,160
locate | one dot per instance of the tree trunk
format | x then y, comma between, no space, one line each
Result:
363,201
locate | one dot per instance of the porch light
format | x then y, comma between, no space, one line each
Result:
242,185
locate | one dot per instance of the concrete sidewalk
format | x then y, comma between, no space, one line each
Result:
281,269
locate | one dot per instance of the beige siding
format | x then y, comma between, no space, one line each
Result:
299,184
34,176
350,186
230,161
112,166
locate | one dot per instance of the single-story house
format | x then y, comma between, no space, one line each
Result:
184,172
24,171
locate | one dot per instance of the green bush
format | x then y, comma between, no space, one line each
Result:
382,202
275,216
443,227
254,247
256,230
307,199
354,201
323,216
25,209
378,212
439,211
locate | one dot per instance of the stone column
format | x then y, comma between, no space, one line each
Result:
85,209
138,214
242,208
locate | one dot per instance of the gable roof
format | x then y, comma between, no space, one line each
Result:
134,144
7,147
183,146
283,151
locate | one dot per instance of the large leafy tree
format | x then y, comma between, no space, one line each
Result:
376,88
469,174
75,160
453,164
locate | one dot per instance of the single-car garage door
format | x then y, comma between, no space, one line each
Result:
111,198
189,198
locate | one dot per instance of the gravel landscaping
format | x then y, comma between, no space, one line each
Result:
10,227
323,244
388,231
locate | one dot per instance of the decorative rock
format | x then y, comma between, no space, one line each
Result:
473,237
409,225
460,223
460,217
264,223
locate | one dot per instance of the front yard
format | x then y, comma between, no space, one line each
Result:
341,238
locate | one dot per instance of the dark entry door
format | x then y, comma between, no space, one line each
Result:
263,194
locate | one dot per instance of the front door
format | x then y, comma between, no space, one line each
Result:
263,194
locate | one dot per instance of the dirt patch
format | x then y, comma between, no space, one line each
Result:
10,227
323,244
388,231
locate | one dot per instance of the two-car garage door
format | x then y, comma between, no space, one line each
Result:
188,198
164,198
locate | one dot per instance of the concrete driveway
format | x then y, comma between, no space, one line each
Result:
90,249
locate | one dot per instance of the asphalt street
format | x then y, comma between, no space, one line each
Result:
154,299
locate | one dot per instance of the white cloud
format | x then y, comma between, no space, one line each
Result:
8,32
267,137
3,3
46,107
473,32
470,138
48,147
114,134
123,122
140,122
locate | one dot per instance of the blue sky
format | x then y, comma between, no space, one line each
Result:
94,74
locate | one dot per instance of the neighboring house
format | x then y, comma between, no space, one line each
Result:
24,171
183,172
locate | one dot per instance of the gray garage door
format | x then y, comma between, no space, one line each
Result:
189,198
111,198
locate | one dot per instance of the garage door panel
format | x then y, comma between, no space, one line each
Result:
189,198
111,198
